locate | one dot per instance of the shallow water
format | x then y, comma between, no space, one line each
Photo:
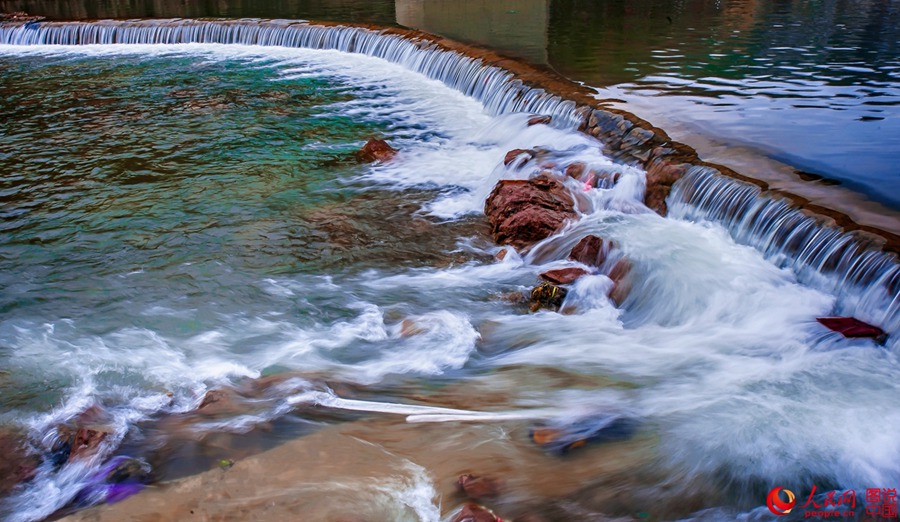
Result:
183,217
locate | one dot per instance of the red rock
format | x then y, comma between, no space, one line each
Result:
622,281
376,150
86,442
590,251
475,513
563,276
513,154
539,120
478,487
523,212
851,327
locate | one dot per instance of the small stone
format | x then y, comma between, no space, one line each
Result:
376,150
515,153
539,120
590,250
575,170
563,276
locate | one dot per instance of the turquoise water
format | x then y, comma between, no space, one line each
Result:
186,218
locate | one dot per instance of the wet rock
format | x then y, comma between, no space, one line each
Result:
563,437
621,275
515,153
376,150
523,212
477,488
590,250
83,437
475,513
539,120
661,175
501,255
548,296
223,401
575,170
853,328
563,276
17,465
409,328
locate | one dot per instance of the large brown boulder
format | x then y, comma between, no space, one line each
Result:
376,150
623,280
523,212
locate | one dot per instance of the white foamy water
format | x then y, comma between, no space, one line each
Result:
729,368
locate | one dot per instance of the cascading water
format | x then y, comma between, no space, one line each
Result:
715,349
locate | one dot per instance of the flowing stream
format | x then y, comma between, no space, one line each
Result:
181,212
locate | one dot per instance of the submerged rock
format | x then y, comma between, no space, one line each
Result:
515,153
17,465
523,212
563,276
539,120
562,437
548,296
853,328
376,150
590,251
622,278
475,513
476,487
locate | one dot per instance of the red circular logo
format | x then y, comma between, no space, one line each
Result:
779,506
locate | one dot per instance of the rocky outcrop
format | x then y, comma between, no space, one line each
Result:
523,212
376,150
82,438
662,173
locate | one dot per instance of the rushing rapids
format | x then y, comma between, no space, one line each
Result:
706,326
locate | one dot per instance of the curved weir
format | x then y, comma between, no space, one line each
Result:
714,347
784,232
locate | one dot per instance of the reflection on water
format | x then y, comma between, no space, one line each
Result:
812,84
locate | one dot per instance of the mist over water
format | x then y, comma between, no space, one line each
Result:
178,218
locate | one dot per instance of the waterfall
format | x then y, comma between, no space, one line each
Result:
497,89
866,279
